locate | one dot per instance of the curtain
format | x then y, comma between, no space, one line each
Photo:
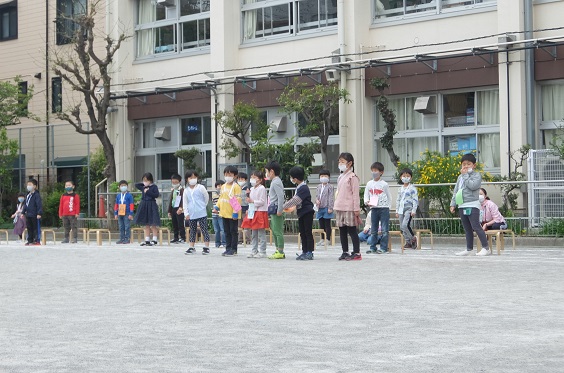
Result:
146,38
249,22
398,106
552,98
416,146
488,148
488,107
414,119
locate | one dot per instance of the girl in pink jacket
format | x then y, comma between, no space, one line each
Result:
490,216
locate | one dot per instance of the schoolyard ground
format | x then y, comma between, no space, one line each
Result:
79,308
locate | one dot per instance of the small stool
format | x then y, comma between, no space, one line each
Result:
140,232
244,236
84,234
270,233
5,231
499,239
334,231
322,235
99,236
161,230
198,232
44,236
395,234
419,232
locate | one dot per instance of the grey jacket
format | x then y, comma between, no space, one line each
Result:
276,193
471,184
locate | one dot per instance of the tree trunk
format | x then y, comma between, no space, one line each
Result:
110,171
393,157
324,161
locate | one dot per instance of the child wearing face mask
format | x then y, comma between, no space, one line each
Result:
324,205
257,215
69,209
347,207
217,221
19,221
123,213
377,196
32,210
490,217
148,212
175,209
242,181
406,207
195,205
229,197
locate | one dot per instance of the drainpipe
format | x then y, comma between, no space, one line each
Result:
343,128
47,77
530,76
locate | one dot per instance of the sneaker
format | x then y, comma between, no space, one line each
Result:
66,240
354,256
74,241
230,253
344,256
155,243
465,253
191,250
174,241
147,243
225,252
119,242
252,255
414,242
278,255
305,256
27,244
484,252
126,242
221,246
370,251
407,245
380,251
205,251
180,240
37,244
260,256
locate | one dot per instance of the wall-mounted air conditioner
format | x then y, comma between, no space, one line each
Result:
166,3
278,124
162,133
425,105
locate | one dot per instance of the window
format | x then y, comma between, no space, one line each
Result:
67,13
196,131
9,21
398,9
181,25
22,99
263,19
552,114
168,166
56,95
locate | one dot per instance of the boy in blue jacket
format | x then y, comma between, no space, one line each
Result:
32,210
123,212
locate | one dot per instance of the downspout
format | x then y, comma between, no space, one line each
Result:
530,77
343,128
508,112
47,84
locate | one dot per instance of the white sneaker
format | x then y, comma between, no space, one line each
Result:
260,255
465,253
321,242
484,252
253,255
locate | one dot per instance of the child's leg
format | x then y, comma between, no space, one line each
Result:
277,227
203,222
193,224
73,226
31,229
174,221
477,227
303,234
309,242
155,230
121,227
234,234
385,223
222,230
254,240
262,240
228,238
374,222
465,219
353,232
215,224
343,233
147,231
126,229
67,226
181,226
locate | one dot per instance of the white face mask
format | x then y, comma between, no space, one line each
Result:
175,186
123,188
376,174
481,198
253,182
292,181
29,188
405,180
146,183
192,182
228,179
324,180
241,183
342,167
470,170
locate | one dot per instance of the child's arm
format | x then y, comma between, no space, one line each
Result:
366,193
388,194
330,198
279,193
153,191
415,200
61,206
474,181
129,197
206,194
140,186
77,204
39,205
355,187
185,203
116,205
453,199
294,201
398,200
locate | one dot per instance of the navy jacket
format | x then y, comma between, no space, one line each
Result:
33,205
152,193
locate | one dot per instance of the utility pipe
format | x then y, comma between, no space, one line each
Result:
343,128
530,77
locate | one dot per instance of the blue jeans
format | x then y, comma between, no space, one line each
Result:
219,231
124,228
367,237
380,216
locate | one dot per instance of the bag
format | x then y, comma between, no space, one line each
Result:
234,202
272,209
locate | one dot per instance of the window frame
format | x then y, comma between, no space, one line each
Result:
65,27
11,10
56,95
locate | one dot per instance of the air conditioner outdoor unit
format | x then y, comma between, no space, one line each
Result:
278,124
332,75
546,199
166,3
425,105
162,133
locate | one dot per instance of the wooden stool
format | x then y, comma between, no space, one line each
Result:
99,236
419,232
244,236
84,234
270,232
198,232
395,234
161,230
334,231
44,236
140,232
322,235
499,239
5,231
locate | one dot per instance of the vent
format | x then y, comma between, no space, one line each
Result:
426,105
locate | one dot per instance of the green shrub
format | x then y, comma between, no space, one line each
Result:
553,227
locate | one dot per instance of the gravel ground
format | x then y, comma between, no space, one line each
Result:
130,309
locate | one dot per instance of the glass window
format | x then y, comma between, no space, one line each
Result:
399,8
148,133
264,20
407,118
9,21
56,95
417,145
144,164
196,130
168,165
488,150
196,33
189,7
458,109
488,107
67,12
552,99
455,145
22,99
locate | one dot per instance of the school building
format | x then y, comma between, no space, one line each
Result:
475,75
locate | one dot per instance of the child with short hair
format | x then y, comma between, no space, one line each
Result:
490,217
217,221
276,208
242,180
195,207
32,211
257,215
406,207
324,203
229,204
123,212
366,234
347,207
304,208
69,209
466,197
19,221
148,211
377,196
175,209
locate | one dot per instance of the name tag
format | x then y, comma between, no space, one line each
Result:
121,209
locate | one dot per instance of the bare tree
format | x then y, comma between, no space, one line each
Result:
86,69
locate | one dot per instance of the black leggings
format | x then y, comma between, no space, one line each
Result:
325,224
353,232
